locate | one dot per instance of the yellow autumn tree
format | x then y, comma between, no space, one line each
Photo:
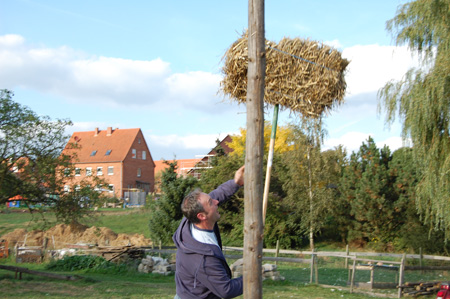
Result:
282,141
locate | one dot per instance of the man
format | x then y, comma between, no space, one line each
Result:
201,268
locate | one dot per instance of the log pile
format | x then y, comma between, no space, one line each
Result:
415,289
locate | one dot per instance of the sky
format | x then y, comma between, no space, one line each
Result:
157,65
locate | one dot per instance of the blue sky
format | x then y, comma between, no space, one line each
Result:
156,65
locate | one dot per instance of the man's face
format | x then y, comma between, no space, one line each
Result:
211,208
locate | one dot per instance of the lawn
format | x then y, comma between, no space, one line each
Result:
137,285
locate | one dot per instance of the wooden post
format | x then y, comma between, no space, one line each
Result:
421,259
277,251
160,247
352,282
270,160
316,269
400,275
346,254
312,267
253,188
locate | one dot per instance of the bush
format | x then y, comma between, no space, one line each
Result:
88,263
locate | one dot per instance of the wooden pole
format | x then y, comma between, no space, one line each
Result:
277,251
270,160
352,282
253,188
400,275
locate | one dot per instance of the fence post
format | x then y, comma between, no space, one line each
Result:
352,282
312,266
421,259
277,251
346,254
316,267
160,247
400,278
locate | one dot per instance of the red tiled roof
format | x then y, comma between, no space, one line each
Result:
119,141
183,165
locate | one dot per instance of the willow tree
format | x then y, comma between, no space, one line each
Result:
422,101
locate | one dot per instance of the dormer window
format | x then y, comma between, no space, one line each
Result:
93,153
108,152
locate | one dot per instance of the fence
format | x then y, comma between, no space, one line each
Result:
135,198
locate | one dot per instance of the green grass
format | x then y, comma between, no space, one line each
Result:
137,285
124,221
128,221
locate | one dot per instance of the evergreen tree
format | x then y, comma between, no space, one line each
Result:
165,212
368,187
422,101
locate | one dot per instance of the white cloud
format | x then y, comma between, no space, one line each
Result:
351,141
372,66
76,76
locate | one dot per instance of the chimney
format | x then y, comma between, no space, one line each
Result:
96,132
109,131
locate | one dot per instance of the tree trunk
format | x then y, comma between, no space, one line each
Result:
253,222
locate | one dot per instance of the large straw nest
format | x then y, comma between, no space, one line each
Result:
302,75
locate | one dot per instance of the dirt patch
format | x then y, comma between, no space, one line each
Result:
62,235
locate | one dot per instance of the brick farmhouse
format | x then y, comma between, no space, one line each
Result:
119,156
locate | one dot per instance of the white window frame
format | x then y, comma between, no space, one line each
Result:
99,170
133,153
139,172
88,171
111,188
110,170
144,155
77,171
66,188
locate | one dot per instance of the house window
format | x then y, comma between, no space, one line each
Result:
108,152
139,172
99,170
144,155
77,171
93,153
77,188
110,170
139,140
133,153
66,188
66,172
111,188
88,171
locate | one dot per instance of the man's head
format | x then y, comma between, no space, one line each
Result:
199,207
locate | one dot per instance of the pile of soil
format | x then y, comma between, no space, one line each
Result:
62,235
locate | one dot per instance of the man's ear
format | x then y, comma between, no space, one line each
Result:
201,216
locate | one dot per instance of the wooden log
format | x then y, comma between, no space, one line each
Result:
253,187
39,273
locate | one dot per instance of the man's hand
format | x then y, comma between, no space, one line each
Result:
239,176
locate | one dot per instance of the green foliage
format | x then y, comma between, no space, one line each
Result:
32,166
308,181
232,212
422,101
30,147
165,211
367,187
89,263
